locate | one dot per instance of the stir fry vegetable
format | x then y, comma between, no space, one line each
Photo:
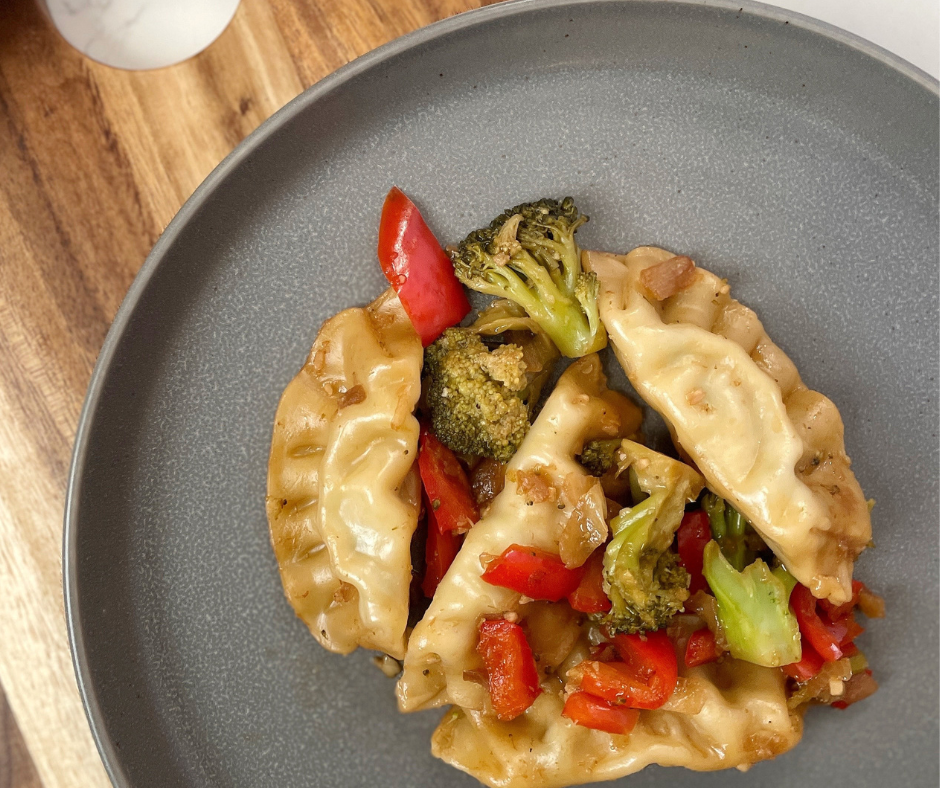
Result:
529,255
753,607
693,534
532,572
511,674
644,678
643,577
446,484
418,268
589,711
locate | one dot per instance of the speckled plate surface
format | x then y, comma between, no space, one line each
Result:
793,159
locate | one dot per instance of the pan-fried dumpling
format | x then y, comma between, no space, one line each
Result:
737,406
723,715
442,665
343,495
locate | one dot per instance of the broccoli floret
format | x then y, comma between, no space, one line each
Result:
754,610
642,576
476,396
600,456
529,255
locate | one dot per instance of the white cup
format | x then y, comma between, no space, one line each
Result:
140,34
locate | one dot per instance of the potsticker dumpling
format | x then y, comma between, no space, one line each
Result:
343,496
544,484
736,405
722,715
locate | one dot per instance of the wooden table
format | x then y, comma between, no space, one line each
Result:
94,162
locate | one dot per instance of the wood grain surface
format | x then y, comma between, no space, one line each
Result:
94,162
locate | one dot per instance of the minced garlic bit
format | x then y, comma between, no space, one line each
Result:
836,687
512,617
695,396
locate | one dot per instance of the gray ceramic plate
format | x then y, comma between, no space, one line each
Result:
797,161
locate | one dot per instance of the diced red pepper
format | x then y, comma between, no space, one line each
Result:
589,596
645,679
852,630
809,665
701,649
419,269
849,650
440,551
510,666
651,655
694,533
532,572
823,636
592,712
446,485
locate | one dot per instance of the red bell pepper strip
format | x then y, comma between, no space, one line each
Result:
419,269
824,636
701,648
440,551
532,572
510,666
591,712
809,665
446,485
644,680
694,533
589,596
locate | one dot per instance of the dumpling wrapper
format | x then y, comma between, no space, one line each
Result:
721,715
343,496
441,663
736,404
735,714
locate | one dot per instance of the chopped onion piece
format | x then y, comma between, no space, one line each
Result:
586,527
870,603
818,687
667,278
689,696
706,607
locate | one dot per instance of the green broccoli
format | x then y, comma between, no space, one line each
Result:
738,540
476,396
600,456
642,576
754,610
528,254
506,322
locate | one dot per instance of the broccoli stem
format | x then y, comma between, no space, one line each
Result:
637,494
560,317
729,528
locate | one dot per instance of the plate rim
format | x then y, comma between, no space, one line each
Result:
109,754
